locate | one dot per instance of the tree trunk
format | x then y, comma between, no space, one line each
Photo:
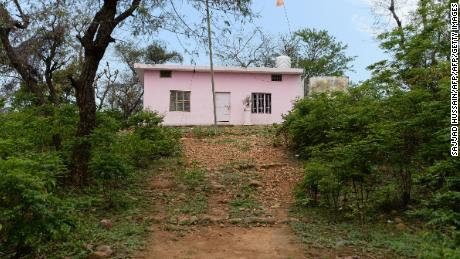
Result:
86,101
406,182
95,41
57,139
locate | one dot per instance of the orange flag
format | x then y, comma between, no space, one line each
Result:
279,2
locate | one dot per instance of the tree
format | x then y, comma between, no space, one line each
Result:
384,145
157,53
253,49
417,78
122,90
94,22
34,47
95,39
417,47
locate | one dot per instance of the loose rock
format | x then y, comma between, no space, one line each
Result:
255,183
193,219
97,255
101,252
276,206
235,220
400,226
157,219
218,187
106,223
183,220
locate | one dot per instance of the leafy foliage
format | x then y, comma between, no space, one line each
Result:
317,52
30,212
35,207
384,145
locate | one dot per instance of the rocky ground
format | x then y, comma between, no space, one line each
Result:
227,198
230,195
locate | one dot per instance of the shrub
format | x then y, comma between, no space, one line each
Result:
37,208
367,152
147,140
108,167
441,209
144,119
31,214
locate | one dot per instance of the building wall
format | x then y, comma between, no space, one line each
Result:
240,85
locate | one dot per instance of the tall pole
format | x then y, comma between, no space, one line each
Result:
211,63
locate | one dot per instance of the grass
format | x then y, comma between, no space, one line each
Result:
192,178
128,207
243,146
206,132
195,205
225,141
318,229
211,132
239,165
245,207
192,200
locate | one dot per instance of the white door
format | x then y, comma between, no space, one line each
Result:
223,107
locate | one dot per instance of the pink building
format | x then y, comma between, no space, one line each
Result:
183,95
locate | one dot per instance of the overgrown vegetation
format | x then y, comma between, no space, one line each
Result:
380,239
384,145
40,212
71,145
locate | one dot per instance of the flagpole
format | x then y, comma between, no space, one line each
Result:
211,63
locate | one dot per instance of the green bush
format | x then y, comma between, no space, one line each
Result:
37,206
105,164
368,152
31,214
144,119
108,167
146,141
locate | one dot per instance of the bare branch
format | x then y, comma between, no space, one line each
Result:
128,12
398,21
393,13
25,18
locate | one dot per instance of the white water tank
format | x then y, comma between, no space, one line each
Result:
283,62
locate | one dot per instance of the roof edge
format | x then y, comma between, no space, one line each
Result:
222,69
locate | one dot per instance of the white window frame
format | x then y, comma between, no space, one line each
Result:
179,101
261,103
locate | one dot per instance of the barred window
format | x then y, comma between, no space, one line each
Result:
179,101
261,103
277,77
165,73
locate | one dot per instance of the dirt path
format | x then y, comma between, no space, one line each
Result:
228,198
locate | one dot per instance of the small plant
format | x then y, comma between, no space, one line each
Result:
244,146
245,207
192,178
206,132
195,205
